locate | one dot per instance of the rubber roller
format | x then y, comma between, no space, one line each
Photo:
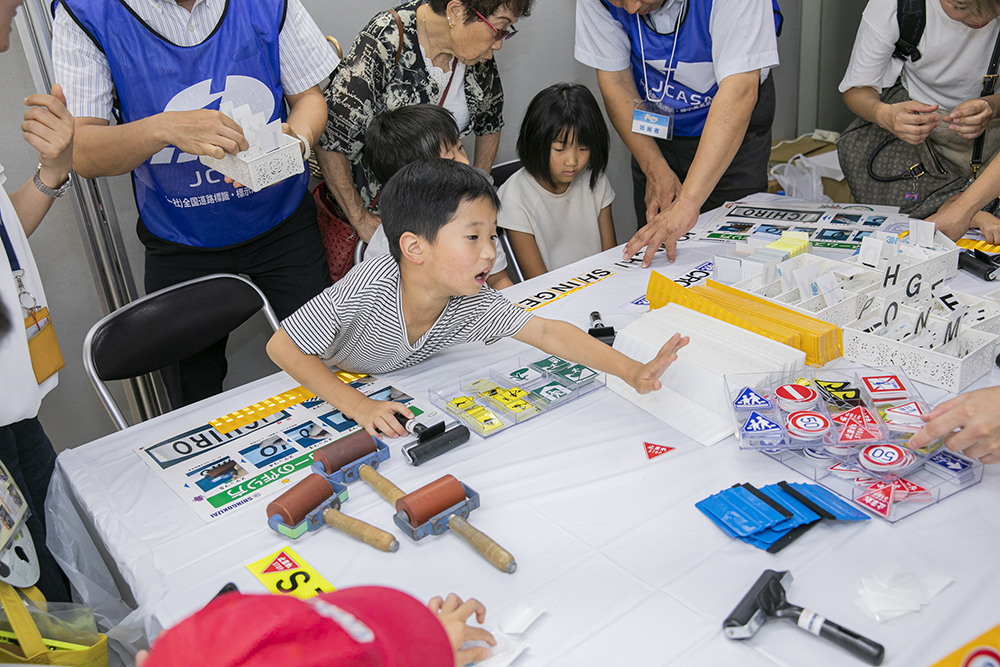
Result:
314,502
354,451
446,496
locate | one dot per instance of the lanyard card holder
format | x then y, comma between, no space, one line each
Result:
46,357
658,124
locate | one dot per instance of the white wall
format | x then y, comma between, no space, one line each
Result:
540,55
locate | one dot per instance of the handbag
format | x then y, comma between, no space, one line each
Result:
43,346
881,169
22,642
339,238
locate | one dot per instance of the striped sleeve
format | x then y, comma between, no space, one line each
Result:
314,327
500,317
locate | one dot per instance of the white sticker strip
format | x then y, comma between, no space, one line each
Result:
811,622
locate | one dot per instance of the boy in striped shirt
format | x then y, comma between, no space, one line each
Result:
429,293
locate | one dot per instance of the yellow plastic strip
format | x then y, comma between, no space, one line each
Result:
973,244
261,410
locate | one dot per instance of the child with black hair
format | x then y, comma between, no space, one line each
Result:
400,136
430,293
557,208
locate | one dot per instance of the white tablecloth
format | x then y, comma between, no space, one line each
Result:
610,543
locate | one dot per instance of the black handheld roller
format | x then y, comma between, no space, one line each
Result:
601,331
432,441
766,600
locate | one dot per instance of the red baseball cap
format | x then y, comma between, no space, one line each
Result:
369,625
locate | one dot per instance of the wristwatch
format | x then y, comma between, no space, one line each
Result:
46,190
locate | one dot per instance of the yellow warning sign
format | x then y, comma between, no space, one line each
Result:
983,651
284,572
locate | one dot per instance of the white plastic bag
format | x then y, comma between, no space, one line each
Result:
800,178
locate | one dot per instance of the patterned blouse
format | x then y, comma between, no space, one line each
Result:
365,84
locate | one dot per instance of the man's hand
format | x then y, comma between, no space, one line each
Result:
970,118
453,614
911,121
380,415
977,416
647,378
204,132
989,225
49,127
662,188
668,226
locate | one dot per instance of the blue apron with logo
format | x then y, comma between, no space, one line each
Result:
179,199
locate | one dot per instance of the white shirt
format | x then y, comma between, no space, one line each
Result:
455,102
357,324
306,58
20,394
564,226
742,32
379,245
953,59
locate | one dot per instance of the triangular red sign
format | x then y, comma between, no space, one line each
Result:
652,451
281,563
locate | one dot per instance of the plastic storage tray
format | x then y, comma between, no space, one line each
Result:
515,390
889,398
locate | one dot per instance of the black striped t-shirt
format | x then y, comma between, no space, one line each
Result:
357,324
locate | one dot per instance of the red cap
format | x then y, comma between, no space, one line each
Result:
369,626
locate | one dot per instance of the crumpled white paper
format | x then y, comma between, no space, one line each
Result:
511,622
892,591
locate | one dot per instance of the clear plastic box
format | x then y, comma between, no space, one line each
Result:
514,390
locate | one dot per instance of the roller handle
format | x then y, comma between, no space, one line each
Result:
595,319
499,557
382,486
862,647
360,530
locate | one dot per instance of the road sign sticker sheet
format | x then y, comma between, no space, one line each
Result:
838,226
215,473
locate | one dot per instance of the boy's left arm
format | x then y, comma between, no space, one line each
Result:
567,341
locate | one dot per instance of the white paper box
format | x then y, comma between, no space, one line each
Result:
263,170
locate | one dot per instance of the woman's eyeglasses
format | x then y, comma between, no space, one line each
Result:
498,35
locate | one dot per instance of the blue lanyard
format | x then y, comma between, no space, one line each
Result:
9,247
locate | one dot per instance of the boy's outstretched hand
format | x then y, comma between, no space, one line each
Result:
380,415
647,378
453,614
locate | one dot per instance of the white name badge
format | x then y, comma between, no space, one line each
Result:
653,124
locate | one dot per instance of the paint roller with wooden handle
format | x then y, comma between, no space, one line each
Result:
351,457
314,501
448,496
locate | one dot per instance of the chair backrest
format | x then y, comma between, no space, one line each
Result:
500,174
166,326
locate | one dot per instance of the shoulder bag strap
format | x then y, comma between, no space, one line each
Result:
989,86
28,636
911,16
399,31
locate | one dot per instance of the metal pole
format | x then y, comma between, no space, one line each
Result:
93,209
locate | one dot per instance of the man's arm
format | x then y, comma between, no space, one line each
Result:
725,127
307,114
48,127
567,341
620,94
956,216
314,375
110,150
485,151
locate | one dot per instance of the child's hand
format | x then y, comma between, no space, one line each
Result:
647,378
380,415
453,614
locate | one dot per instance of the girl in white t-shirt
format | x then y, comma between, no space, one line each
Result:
557,208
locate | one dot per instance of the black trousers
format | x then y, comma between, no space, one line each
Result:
28,455
288,263
747,173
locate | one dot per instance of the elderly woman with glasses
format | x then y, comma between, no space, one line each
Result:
437,52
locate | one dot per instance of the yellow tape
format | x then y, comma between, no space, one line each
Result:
262,410
972,244
285,573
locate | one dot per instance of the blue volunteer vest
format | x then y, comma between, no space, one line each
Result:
181,200
690,88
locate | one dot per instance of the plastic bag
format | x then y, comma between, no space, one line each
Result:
799,177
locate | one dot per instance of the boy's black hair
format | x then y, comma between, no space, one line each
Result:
487,8
556,113
423,196
400,136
